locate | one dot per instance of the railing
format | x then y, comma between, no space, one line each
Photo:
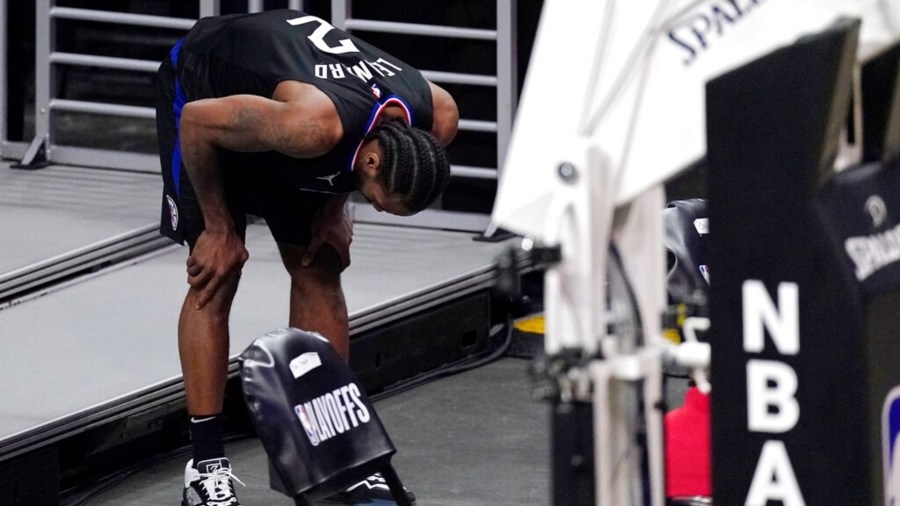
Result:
505,80
45,148
47,59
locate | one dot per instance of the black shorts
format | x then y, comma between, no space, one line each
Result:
249,187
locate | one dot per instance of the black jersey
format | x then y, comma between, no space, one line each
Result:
252,53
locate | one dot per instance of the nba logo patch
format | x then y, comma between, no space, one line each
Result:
173,212
307,424
890,447
376,91
704,270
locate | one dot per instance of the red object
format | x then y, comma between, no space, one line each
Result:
688,447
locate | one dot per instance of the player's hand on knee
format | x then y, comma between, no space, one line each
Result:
333,225
216,258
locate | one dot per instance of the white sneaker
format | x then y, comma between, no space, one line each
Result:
209,484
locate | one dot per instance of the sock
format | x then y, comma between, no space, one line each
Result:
207,433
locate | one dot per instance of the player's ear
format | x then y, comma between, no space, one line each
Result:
372,163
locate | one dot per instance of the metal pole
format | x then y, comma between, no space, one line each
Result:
507,84
89,60
44,76
123,18
474,125
340,12
254,5
507,76
128,111
473,172
4,30
209,8
438,76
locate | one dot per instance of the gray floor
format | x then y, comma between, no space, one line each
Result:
109,336
474,439
119,325
80,206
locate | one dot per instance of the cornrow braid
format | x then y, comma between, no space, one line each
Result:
414,164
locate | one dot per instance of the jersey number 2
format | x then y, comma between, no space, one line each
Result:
318,36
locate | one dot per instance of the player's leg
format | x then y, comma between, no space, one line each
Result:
202,334
317,299
203,341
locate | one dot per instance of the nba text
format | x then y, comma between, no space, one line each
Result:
772,405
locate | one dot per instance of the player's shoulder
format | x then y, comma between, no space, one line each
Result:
311,110
445,114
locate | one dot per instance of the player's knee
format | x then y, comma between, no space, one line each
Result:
320,279
224,294
325,266
327,260
232,278
316,278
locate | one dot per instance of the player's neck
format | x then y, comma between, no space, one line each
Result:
392,112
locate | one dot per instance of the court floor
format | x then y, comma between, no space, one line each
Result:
473,439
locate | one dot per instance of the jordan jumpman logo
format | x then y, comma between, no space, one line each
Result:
330,178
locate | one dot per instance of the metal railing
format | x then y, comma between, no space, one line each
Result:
47,59
44,146
505,80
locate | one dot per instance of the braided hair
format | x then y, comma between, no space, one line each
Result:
414,164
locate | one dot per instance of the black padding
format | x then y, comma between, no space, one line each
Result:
311,413
861,206
772,130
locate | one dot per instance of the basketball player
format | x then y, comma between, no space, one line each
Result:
280,115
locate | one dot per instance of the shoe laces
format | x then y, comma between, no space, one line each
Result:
217,484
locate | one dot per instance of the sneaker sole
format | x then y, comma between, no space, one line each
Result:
373,502
184,503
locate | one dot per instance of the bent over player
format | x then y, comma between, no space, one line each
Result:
280,115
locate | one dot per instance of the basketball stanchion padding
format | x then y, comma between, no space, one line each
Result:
313,417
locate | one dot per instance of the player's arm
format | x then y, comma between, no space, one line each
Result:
445,114
304,125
